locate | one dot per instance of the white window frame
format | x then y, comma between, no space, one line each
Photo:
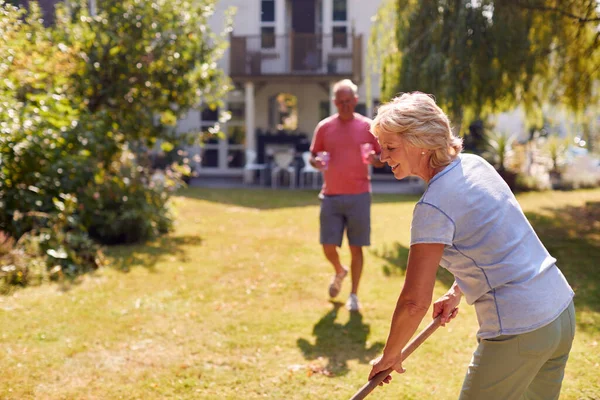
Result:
336,24
268,24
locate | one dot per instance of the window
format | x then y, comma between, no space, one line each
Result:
323,110
209,115
340,10
340,36
340,23
361,108
267,37
267,24
267,11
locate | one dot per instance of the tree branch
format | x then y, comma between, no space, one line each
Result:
579,18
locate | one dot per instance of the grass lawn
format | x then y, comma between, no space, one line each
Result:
234,305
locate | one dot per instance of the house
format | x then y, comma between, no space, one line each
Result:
284,58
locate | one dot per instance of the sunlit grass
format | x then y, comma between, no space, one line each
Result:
233,305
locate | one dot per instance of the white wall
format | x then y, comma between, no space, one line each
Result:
247,22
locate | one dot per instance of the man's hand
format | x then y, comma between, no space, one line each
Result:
374,160
317,163
382,363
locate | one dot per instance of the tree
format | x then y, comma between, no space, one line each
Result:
485,56
75,99
144,64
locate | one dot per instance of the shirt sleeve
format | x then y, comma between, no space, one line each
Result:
317,144
431,225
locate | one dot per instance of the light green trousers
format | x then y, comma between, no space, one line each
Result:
527,366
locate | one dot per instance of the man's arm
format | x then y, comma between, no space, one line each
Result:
375,161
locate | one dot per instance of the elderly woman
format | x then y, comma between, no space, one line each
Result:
469,222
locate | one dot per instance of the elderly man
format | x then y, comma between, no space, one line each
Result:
346,193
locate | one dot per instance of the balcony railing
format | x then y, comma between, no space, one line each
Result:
296,54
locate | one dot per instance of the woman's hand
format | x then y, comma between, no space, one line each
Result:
447,305
381,364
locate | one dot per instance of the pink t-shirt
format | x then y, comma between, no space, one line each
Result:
346,173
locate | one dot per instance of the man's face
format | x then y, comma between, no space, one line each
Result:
345,101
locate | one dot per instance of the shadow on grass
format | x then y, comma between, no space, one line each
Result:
340,343
396,257
146,255
267,199
572,236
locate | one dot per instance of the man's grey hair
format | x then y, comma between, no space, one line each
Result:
345,84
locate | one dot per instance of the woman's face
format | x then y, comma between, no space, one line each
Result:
405,159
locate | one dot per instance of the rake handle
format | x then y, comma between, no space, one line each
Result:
407,351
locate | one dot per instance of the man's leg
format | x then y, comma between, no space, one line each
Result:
333,257
332,231
356,266
359,234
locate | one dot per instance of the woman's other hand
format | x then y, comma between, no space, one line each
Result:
382,363
447,305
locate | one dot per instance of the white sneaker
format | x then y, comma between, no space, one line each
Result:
352,303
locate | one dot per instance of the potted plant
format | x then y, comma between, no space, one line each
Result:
499,149
556,148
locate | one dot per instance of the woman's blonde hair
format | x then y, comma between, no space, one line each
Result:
418,120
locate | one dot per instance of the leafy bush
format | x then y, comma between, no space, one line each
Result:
74,98
124,204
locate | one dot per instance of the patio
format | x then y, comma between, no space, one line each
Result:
387,185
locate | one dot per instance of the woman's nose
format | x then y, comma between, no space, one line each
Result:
383,157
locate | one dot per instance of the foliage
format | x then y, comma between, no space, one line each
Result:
126,205
74,98
499,149
145,63
581,172
487,56
556,148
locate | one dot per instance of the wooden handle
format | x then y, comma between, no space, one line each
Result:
407,351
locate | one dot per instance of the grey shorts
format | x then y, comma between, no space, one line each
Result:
350,212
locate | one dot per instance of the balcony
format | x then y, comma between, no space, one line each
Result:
301,56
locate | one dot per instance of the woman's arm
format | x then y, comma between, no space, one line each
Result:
413,303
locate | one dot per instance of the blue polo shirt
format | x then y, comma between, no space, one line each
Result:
497,259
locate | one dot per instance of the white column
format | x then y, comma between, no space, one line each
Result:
280,17
332,109
281,42
223,146
93,8
327,16
250,118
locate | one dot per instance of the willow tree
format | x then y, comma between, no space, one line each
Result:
483,56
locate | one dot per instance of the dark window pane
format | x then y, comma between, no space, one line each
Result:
210,115
267,12
237,111
361,108
207,136
267,38
210,158
323,110
340,36
236,135
340,10
235,159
